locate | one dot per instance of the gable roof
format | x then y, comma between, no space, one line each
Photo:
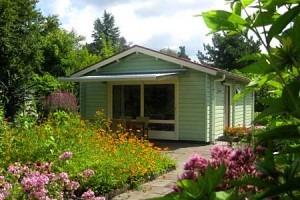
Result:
158,55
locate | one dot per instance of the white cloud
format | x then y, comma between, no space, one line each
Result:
153,23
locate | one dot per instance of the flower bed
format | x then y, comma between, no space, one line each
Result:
72,146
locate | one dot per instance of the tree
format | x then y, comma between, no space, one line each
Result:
61,49
20,52
105,32
226,50
181,53
169,51
30,45
279,67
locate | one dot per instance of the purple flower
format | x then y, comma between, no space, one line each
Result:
74,185
196,162
17,170
220,153
188,175
5,188
66,155
88,195
87,173
34,185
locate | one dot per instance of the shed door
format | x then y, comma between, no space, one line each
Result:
159,105
156,101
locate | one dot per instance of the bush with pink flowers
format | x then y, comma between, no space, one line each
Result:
225,165
38,181
61,100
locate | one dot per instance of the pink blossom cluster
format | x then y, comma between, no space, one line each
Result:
35,185
60,100
66,155
17,170
238,164
39,182
90,195
5,188
87,173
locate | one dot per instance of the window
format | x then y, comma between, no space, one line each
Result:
126,101
159,101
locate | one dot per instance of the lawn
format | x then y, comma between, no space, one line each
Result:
76,157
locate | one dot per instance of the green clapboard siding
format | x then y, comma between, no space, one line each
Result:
239,112
219,110
249,109
192,106
93,97
136,62
209,97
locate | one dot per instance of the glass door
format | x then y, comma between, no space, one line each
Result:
126,101
156,101
159,106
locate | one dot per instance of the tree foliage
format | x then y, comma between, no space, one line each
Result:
107,39
180,54
169,51
278,67
226,50
30,45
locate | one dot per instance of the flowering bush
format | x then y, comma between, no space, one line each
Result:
64,101
238,163
39,182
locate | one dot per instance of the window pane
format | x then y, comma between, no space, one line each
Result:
159,101
126,101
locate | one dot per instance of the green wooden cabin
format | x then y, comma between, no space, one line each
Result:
184,100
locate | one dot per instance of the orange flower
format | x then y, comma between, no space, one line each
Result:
166,149
150,144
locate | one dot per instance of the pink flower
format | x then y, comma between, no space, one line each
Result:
66,155
87,173
5,188
90,195
196,162
74,185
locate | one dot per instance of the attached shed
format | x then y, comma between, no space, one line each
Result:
184,100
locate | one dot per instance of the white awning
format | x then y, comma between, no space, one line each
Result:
122,77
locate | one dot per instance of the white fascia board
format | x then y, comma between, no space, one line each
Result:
104,62
137,49
178,61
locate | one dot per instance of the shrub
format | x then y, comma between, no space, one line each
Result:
61,101
226,164
38,181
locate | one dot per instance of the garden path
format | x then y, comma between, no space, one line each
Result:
161,186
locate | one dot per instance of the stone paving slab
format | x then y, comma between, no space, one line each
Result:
162,184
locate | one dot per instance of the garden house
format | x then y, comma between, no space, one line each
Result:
184,100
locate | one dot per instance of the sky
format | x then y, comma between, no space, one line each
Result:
154,24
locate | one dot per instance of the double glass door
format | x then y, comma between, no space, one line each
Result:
156,101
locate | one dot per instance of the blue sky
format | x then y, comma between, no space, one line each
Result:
155,24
